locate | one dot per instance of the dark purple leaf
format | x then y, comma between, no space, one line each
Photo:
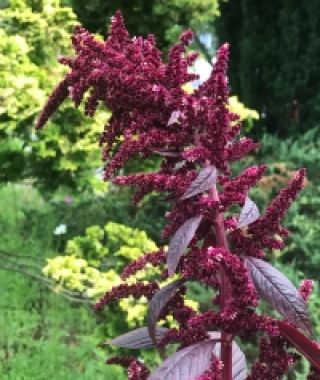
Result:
166,153
279,292
307,347
186,364
249,213
205,180
139,338
179,242
157,303
239,364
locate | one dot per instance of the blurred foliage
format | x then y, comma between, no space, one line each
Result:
70,324
76,274
32,35
42,333
284,156
303,248
165,19
85,210
91,265
275,58
44,336
99,245
301,150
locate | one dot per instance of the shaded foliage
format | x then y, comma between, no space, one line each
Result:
165,19
274,60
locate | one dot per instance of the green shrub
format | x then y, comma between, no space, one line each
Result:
32,34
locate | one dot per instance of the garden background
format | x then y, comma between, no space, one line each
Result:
65,234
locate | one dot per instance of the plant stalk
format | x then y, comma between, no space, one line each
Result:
225,292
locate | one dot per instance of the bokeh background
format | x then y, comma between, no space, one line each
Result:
65,234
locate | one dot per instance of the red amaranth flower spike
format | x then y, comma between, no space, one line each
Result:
124,291
195,136
57,97
152,258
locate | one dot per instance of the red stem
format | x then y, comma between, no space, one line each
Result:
225,292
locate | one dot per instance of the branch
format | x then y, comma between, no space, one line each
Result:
202,48
68,294
11,259
26,257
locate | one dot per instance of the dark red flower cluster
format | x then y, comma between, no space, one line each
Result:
274,361
152,258
124,291
136,369
215,371
267,232
198,139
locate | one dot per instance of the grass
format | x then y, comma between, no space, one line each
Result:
42,334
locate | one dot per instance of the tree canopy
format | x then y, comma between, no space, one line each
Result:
275,59
32,35
165,19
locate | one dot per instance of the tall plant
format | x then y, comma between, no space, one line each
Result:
198,138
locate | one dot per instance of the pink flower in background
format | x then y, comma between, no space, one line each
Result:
68,199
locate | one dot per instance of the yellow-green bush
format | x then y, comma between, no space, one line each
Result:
113,245
91,263
32,35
